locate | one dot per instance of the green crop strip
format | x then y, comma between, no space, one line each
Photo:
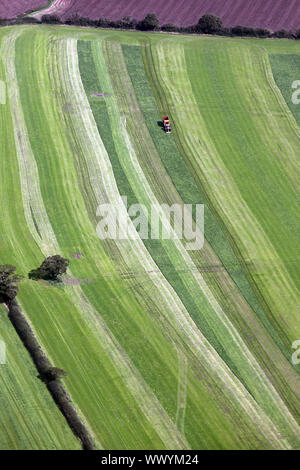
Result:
98,105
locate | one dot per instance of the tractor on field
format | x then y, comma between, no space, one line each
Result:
167,125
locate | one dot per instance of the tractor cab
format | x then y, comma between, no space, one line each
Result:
167,124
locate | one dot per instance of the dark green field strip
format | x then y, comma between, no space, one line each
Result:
92,85
286,70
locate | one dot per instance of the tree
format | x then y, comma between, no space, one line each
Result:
297,34
149,23
102,23
170,27
127,22
54,373
262,32
243,31
8,283
50,269
283,34
74,19
29,20
50,19
209,24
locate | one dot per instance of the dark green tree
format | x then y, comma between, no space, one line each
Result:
209,24
283,34
149,23
50,19
170,27
126,22
54,373
8,283
50,269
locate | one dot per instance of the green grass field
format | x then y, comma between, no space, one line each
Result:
164,348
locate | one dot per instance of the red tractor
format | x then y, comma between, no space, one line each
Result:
167,124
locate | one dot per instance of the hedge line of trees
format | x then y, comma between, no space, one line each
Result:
208,24
50,375
51,269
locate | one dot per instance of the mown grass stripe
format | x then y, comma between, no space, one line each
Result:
2,92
